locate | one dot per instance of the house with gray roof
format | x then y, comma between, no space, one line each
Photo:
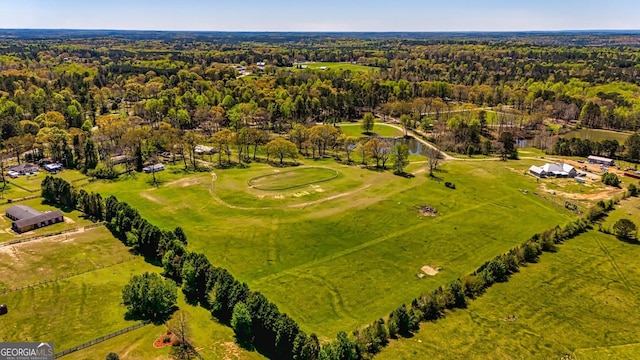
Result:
553,170
26,218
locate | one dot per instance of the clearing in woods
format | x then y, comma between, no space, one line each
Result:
583,301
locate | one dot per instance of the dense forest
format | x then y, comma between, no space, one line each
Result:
83,98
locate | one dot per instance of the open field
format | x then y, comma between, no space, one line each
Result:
71,311
581,301
32,182
339,66
597,135
290,179
384,130
324,253
211,339
59,256
73,219
87,306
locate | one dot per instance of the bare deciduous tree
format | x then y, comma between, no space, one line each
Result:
433,159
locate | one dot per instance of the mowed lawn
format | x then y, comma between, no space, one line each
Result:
345,252
293,178
379,129
582,301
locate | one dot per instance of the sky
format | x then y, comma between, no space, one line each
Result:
325,15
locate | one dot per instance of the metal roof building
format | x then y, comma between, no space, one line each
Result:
26,218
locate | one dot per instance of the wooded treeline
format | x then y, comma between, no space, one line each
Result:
75,100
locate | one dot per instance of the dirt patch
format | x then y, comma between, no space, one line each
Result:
333,197
152,198
231,351
427,210
69,220
301,194
431,271
11,251
606,194
165,340
184,182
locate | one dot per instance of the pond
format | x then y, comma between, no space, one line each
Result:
415,146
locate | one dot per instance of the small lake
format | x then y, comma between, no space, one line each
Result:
415,146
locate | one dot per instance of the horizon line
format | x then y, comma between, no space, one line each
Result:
333,31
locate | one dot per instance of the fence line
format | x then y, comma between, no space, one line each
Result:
111,336
10,201
101,339
36,237
66,276
22,187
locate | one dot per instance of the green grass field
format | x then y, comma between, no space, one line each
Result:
582,301
211,339
383,130
31,262
87,306
340,254
339,66
597,135
291,179
71,311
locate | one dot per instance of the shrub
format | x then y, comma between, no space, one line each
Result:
625,229
450,185
633,190
611,179
103,171
149,296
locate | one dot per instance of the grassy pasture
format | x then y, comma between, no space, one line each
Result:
339,66
33,182
379,129
345,253
597,135
87,306
212,340
71,311
291,179
581,301
30,262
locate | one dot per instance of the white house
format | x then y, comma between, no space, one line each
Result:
553,170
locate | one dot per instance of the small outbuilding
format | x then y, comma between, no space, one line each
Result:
53,168
600,160
3,309
153,168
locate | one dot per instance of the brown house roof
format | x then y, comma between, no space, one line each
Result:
38,219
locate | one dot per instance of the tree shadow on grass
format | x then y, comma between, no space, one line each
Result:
156,319
631,241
